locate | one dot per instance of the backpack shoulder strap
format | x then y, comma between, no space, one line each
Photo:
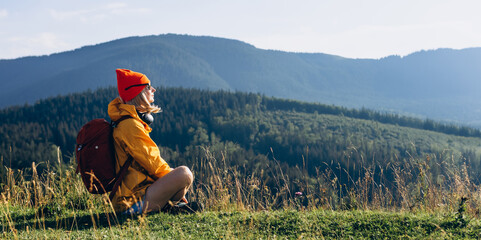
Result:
120,176
115,123
123,169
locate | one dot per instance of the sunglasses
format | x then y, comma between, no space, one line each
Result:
149,87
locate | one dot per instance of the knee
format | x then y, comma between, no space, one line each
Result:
186,174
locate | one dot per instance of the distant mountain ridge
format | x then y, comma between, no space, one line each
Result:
439,84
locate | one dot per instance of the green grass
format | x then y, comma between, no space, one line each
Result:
281,224
28,223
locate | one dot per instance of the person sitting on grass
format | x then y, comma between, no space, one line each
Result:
150,184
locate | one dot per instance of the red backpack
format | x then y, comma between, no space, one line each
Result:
95,155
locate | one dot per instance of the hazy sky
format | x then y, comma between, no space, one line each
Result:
349,28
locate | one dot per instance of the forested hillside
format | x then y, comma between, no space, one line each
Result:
252,132
438,84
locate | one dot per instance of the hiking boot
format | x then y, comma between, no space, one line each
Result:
183,208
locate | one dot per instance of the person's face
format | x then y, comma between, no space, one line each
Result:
150,93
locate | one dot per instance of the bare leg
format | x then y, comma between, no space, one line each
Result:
172,186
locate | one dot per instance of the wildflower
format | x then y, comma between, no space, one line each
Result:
298,194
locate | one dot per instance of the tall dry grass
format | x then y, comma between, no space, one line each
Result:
430,183
221,187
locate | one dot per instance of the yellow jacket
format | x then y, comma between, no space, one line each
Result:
131,137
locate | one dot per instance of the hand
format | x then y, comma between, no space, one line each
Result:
184,200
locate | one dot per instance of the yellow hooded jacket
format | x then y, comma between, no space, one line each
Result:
131,137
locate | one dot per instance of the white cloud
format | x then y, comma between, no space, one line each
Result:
49,41
84,16
116,5
3,13
40,44
63,15
94,15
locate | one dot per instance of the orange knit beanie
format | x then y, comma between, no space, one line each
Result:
130,83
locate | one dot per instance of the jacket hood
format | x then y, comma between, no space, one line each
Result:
117,109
